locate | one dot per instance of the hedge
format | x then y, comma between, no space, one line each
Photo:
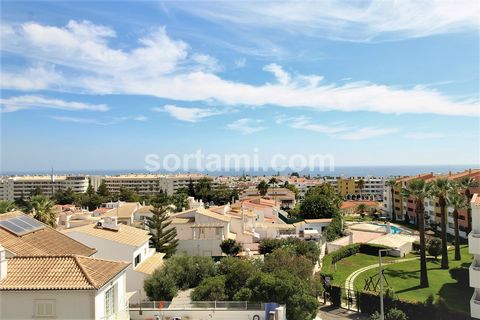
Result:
370,302
347,251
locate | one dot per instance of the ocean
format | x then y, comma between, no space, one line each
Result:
338,171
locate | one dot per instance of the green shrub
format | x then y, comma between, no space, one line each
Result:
210,289
160,286
334,257
336,296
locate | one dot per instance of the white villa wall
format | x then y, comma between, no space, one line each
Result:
200,247
120,301
69,304
111,250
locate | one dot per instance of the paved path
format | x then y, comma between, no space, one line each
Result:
182,300
350,281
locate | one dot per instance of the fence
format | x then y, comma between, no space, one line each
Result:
197,305
368,302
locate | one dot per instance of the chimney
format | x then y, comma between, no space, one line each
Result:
3,263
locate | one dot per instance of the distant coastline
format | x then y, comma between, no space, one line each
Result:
339,170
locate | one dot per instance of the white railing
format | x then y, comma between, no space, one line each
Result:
197,305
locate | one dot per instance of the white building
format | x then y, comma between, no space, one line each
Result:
62,287
15,187
474,248
145,184
121,242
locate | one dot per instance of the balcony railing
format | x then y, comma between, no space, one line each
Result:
197,305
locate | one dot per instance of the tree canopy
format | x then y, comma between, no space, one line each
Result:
321,202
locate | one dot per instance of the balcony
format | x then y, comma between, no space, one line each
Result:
475,305
474,243
474,274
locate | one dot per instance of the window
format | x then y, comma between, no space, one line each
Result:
109,302
44,308
137,260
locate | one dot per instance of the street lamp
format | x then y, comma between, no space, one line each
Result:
382,313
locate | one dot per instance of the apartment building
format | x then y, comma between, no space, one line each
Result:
284,196
405,207
474,248
15,187
145,184
351,189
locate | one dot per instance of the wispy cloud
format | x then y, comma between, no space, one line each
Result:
240,63
361,21
163,67
37,77
17,103
335,130
367,133
246,125
187,114
103,122
423,135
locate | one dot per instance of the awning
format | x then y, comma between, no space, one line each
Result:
129,294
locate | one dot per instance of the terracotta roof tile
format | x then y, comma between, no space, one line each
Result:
46,241
64,272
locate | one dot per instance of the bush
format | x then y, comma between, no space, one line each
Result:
416,246
392,314
210,289
334,229
188,271
331,258
434,247
336,296
160,286
230,247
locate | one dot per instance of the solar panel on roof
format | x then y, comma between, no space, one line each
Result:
12,227
31,221
21,225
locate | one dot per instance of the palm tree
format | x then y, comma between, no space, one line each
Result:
417,189
42,209
392,183
440,189
457,200
7,206
262,188
361,185
273,181
466,183
361,208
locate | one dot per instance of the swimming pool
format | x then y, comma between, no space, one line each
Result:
393,229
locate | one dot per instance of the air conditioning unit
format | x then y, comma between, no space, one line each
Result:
109,223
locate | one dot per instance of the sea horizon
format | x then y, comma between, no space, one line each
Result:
378,170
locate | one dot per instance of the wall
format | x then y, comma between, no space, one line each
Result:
200,247
200,314
119,285
69,304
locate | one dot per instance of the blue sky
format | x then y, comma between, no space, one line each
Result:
100,85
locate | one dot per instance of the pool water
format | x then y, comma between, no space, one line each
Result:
393,229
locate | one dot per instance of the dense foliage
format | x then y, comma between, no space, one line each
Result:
230,247
307,249
321,202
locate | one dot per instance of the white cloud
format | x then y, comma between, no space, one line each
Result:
367,133
362,21
75,119
246,125
187,114
282,76
163,67
38,102
423,135
140,118
337,130
34,78
240,63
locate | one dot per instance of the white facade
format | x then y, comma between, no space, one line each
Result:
474,248
111,250
65,304
12,188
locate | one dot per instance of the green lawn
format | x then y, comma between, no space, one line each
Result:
350,264
404,278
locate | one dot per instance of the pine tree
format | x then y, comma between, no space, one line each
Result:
103,190
163,237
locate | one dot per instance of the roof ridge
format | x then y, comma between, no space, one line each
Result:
85,273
